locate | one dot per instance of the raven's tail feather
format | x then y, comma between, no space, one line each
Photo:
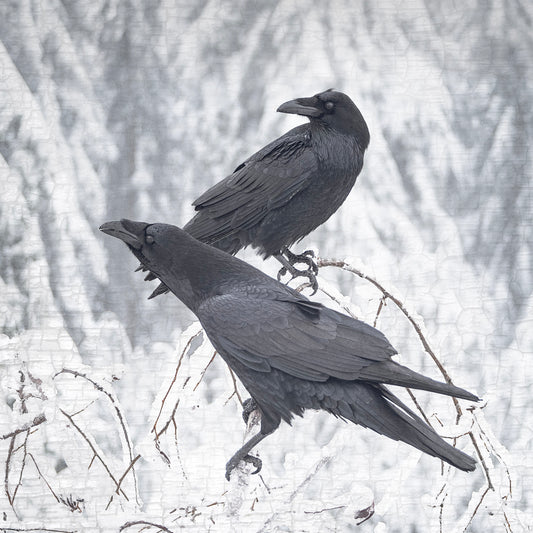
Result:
376,408
392,373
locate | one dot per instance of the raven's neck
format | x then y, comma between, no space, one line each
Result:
200,271
342,148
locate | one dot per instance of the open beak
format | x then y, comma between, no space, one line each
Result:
302,106
128,231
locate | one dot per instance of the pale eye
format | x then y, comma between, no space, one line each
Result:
149,239
329,105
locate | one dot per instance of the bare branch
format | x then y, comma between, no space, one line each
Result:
42,477
11,452
184,351
122,478
318,466
144,522
418,406
35,422
204,371
6,474
118,412
382,304
476,508
38,529
170,419
235,389
95,452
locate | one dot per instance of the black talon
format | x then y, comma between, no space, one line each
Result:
258,464
288,260
242,455
232,464
281,273
304,258
295,273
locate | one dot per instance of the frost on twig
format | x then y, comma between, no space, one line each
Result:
240,477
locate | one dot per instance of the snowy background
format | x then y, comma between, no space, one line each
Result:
131,108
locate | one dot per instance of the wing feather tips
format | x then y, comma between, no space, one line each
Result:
392,373
376,408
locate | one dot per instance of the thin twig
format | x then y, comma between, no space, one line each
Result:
170,419
6,474
477,507
95,452
38,529
318,466
118,411
35,422
43,478
493,450
204,371
235,389
418,406
122,479
144,522
184,351
382,304
23,465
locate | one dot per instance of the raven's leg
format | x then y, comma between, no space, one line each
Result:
242,455
248,407
288,266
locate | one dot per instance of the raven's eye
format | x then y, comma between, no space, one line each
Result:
329,105
149,239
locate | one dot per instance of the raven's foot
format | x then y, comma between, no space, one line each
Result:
235,460
295,273
288,260
248,407
243,455
306,258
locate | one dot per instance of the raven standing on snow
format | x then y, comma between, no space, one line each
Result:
288,188
289,352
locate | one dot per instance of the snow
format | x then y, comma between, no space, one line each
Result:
113,109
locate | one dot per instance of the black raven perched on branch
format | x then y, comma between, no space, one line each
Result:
289,352
289,187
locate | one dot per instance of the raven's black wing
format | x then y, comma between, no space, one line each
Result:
265,181
265,330
294,335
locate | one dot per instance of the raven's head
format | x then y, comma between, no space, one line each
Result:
159,248
333,109
138,237
189,268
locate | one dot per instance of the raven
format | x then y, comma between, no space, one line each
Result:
289,187
289,352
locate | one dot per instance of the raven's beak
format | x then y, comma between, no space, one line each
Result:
302,106
132,233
